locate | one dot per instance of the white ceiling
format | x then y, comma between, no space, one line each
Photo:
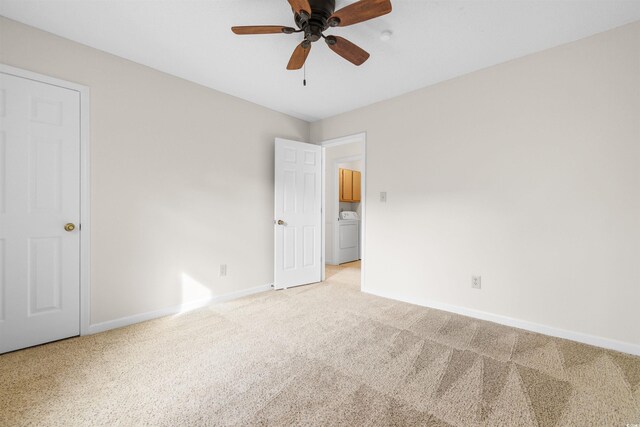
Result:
432,41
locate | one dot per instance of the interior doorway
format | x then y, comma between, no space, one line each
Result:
344,205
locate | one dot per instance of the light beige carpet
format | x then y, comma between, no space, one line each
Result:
324,354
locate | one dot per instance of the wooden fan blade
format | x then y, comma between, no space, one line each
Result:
360,11
301,5
347,50
262,29
299,56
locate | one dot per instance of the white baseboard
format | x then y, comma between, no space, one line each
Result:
168,311
607,343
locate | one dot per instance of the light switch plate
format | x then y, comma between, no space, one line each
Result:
383,197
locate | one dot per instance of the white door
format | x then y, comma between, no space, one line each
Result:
39,195
298,214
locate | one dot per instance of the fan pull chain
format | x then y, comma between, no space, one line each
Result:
304,80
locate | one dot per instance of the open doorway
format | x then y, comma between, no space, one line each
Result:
344,213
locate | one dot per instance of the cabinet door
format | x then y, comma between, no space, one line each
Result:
356,186
347,185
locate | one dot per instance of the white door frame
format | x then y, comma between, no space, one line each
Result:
359,137
85,187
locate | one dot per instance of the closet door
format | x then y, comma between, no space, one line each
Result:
39,212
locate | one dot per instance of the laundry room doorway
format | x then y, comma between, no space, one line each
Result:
344,209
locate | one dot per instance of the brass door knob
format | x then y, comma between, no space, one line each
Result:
69,227
280,222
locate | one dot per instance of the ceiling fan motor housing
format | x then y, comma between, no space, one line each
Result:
321,11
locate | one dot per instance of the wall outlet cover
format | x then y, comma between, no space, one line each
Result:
383,197
223,270
476,282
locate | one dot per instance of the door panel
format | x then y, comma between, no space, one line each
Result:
289,248
44,175
2,279
44,275
309,254
310,195
39,194
357,177
298,200
347,183
3,166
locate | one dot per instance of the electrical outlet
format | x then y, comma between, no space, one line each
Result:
476,282
223,270
383,197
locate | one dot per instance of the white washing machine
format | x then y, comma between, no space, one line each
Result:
348,244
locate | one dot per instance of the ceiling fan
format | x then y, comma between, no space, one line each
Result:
313,17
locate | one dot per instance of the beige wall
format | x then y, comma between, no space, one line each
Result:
182,178
527,173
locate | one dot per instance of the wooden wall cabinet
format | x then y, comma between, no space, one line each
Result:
357,189
350,185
